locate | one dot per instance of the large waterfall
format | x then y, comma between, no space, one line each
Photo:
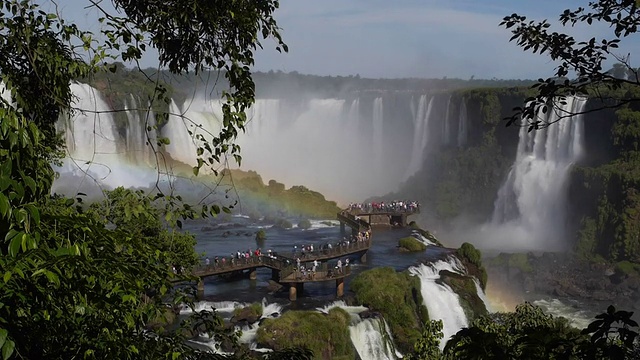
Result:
421,117
97,155
346,148
531,204
439,298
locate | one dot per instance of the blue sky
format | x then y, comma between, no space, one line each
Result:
402,38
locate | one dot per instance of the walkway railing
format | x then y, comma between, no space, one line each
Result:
286,263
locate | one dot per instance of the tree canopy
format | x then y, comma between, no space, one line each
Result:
582,65
89,282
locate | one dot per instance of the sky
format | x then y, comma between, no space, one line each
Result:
401,38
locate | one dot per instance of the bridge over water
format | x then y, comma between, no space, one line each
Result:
284,266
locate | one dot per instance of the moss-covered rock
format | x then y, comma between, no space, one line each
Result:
465,288
304,224
411,244
283,224
397,297
426,233
327,335
472,259
248,314
261,235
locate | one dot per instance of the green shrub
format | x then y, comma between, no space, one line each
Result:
411,244
261,235
470,253
473,257
283,224
327,335
397,297
628,268
304,224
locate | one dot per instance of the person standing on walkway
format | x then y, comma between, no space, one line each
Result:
340,266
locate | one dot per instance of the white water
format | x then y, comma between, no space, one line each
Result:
462,124
530,208
577,317
483,296
446,132
96,153
421,118
316,143
422,238
376,144
371,337
440,300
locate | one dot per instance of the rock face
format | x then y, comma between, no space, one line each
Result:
564,276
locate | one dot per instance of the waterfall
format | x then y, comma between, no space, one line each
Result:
420,134
446,132
377,142
372,340
141,136
353,117
440,300
462,124
529,211
482,295
317,143
96,153
371,336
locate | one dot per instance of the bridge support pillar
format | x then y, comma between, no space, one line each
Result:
275,274
363,258
200,293
342,228
253,274
340,287
294,289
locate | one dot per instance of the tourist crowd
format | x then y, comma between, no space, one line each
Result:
394,206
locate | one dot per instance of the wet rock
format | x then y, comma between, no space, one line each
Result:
369,314
245,317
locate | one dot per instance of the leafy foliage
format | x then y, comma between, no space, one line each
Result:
529,333
427,347
583,59
80,282
397,297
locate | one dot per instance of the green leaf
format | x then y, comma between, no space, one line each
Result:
7,349
3,336
5,206
6,278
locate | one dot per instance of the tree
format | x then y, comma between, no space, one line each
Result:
78,283
585,61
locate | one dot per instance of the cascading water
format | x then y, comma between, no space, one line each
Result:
462,124
420,135
182,146
96,154
440,300
377,142
371,336
317,143
530,209
141,136
446,130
